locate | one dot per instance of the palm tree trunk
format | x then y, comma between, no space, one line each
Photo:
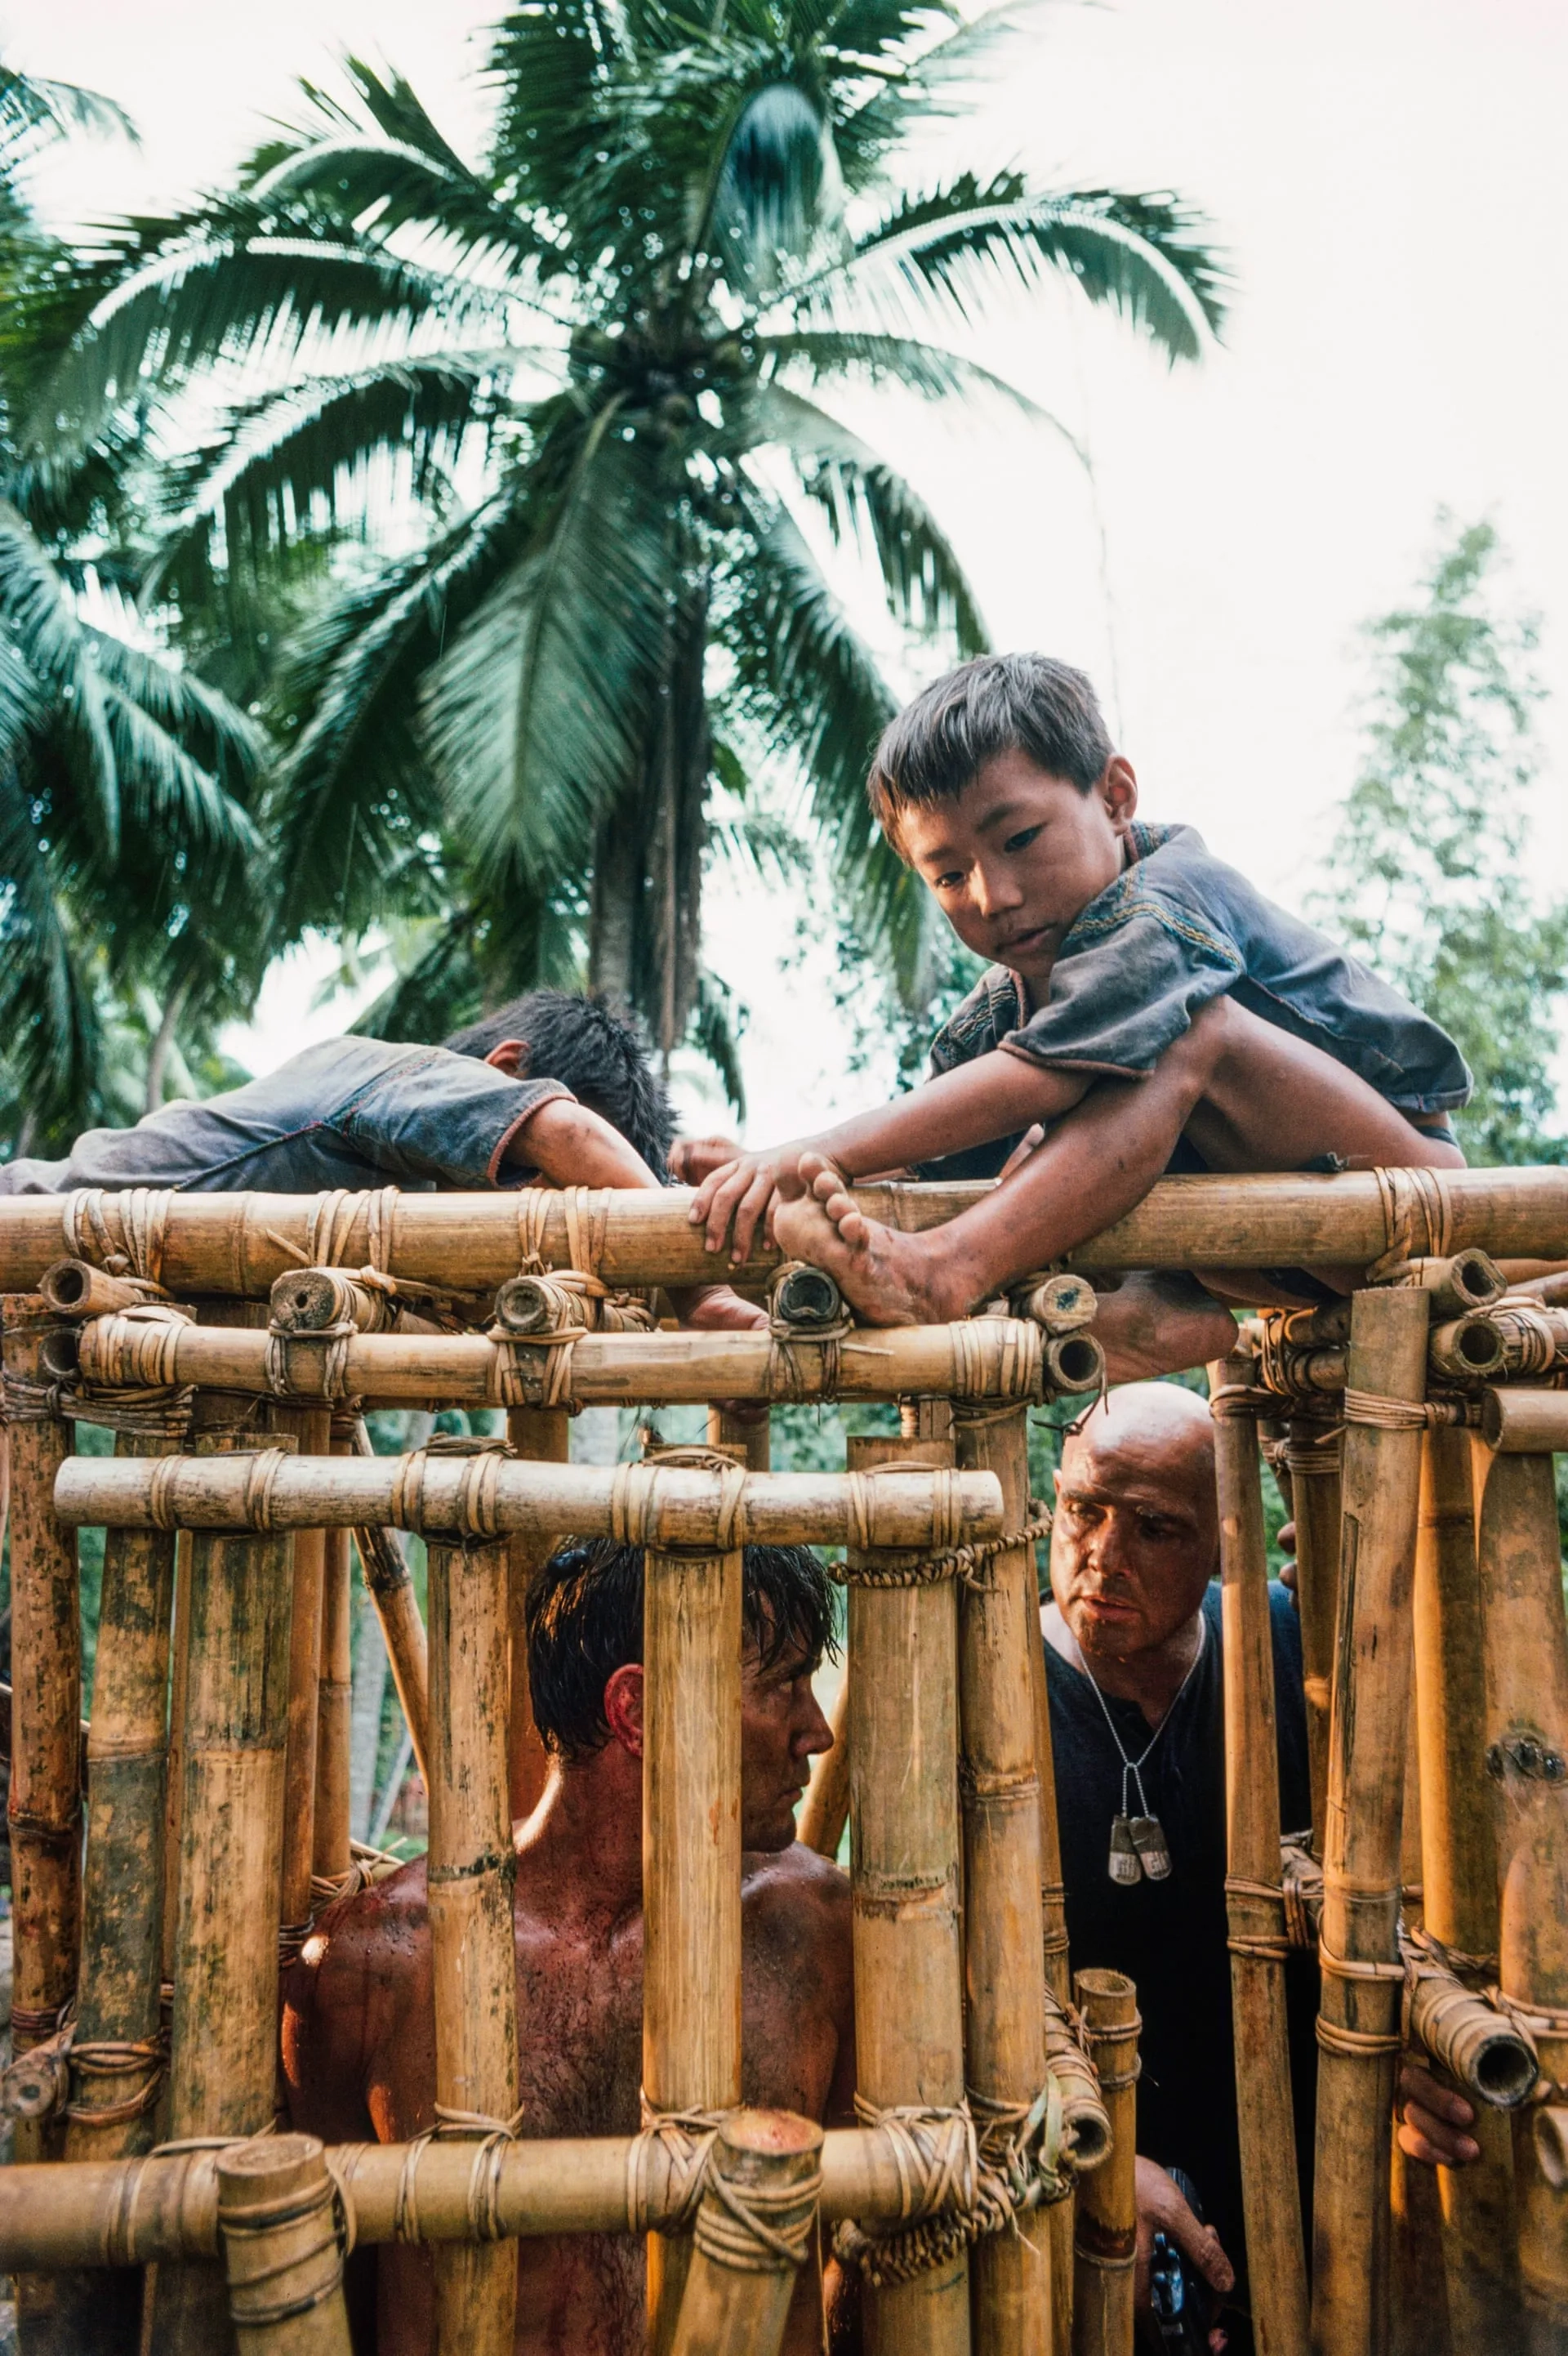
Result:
162,1040
646,926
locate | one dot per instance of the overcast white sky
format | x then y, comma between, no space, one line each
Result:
1387,176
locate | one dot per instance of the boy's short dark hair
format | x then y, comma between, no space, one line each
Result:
596,1052
583,1614
997,704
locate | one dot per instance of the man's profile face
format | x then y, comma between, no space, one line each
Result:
782,1728
1135,1540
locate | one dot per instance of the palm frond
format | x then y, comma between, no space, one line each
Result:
48,1019
39,616
33,111
929,369
536,713
717,1021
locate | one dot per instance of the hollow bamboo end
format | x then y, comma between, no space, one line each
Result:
273,2163
771,2135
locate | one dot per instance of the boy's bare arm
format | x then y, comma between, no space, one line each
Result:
992,1097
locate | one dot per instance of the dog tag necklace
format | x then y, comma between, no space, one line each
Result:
1138,1845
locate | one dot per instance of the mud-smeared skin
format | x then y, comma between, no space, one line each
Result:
360,2055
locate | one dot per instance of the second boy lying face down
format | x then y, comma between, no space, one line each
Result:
1145,1005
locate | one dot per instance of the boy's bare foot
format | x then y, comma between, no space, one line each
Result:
1160,1322
891,1279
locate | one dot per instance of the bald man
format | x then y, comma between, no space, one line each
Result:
1133,1667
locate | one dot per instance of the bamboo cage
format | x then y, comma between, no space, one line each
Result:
984,2200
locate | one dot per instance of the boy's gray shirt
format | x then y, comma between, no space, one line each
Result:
1177,929
350,1113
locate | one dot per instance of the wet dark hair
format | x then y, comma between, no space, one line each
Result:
583,1614
591,1048
997,704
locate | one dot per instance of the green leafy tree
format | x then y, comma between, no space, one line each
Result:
123,776
592,368
1429,870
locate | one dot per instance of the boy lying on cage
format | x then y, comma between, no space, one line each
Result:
551,1088
358,2023
1145,1009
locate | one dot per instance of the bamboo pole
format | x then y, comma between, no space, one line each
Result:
904,1772
981,1357
391,1591
472,1871
1106,2246
125,2212
692,1861
222,2072
331,1859
825,1811
116,2063
1004,1956
739,2290
276,2213
539,1435
1312,1463
1061,2215
45,1805
746,1435
1526,1653
179,1685
311,1428
469,1244
1276,2257
1459,1868
665,1504
1362,1976
1517,1422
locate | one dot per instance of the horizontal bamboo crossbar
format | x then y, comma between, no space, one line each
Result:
489,1495
239,1244
156,2210
981,1357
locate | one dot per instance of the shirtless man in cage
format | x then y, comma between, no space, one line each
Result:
358,2024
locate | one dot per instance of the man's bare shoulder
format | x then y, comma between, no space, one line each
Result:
795,1888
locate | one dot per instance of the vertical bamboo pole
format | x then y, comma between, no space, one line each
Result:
1459,1868
903,1780
472,1870
1058,1970
44,1808
749,1434
1358,2025
692,1861
1312,1461
44,1805
223,2065
1107,2232
1525,1653
738,2291
825,1811
332,1855
543,1435
311,1428
276,2219
1276,2257
115,2065
1004,1957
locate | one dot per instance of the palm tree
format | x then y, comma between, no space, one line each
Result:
121,777
595,366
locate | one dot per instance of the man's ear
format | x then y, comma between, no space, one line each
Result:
624,1706
1056,1477
1118,789
512,1056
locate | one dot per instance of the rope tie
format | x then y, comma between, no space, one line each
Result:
958,2183
964,1563
587,1214
535,1369
1270,1947
635,1504
756,2228
136,1349
260,1480
996,1358
1359,2044
141,1214
250,2223
1317,1460
1301,1878
103,2057
475,1507
1418,1218
804,1361
687,2138
22,1401
1230,1401
328,1347
1389,1414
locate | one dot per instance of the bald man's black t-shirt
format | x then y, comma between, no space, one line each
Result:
1170,1936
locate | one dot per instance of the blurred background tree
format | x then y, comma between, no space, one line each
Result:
568,401
128,855
1429,870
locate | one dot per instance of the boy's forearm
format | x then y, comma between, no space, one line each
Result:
996,1096
574,1147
